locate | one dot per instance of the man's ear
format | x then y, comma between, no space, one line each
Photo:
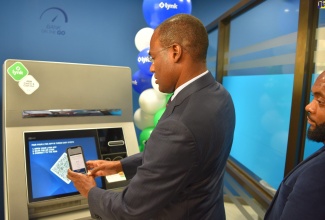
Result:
177,52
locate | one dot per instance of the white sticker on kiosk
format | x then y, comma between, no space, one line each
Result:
28,84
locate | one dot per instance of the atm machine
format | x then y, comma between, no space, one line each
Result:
48,107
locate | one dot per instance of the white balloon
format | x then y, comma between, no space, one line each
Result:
142,38
156,86
143,120
151,101
153,83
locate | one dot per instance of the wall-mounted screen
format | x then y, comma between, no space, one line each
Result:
47,163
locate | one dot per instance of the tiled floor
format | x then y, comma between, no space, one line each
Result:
233,213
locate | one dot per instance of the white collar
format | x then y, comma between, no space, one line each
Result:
186,84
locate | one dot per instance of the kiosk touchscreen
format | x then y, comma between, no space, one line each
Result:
49,107
47,161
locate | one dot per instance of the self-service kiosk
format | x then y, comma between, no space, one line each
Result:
48,107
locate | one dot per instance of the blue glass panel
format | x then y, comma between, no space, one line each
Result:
263,106
321,21
266,45
311,146
212,51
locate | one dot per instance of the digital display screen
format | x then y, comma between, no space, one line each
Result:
77,163
47,161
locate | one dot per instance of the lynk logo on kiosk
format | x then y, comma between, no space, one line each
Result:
54,19
17,71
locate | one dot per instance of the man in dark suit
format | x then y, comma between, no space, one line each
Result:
301,195
180,173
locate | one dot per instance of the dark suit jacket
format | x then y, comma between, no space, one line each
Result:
301,194
180,173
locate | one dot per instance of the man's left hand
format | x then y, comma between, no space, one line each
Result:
82,182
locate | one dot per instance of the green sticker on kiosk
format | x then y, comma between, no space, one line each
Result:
17,71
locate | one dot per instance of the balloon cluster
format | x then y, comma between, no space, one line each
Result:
152,102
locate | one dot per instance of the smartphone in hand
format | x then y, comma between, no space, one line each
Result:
76,159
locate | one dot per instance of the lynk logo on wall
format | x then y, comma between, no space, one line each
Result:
54,20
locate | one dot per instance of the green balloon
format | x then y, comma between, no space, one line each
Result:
158,115
141,147
144,135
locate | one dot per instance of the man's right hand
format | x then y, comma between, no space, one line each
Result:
103,167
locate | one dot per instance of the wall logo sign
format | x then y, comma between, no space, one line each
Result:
54,20
321,4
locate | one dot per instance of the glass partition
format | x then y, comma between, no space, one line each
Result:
260,79
319,61
212,51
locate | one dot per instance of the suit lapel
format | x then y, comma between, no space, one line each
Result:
305,161
296,167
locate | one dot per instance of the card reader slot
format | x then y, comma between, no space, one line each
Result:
115,143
